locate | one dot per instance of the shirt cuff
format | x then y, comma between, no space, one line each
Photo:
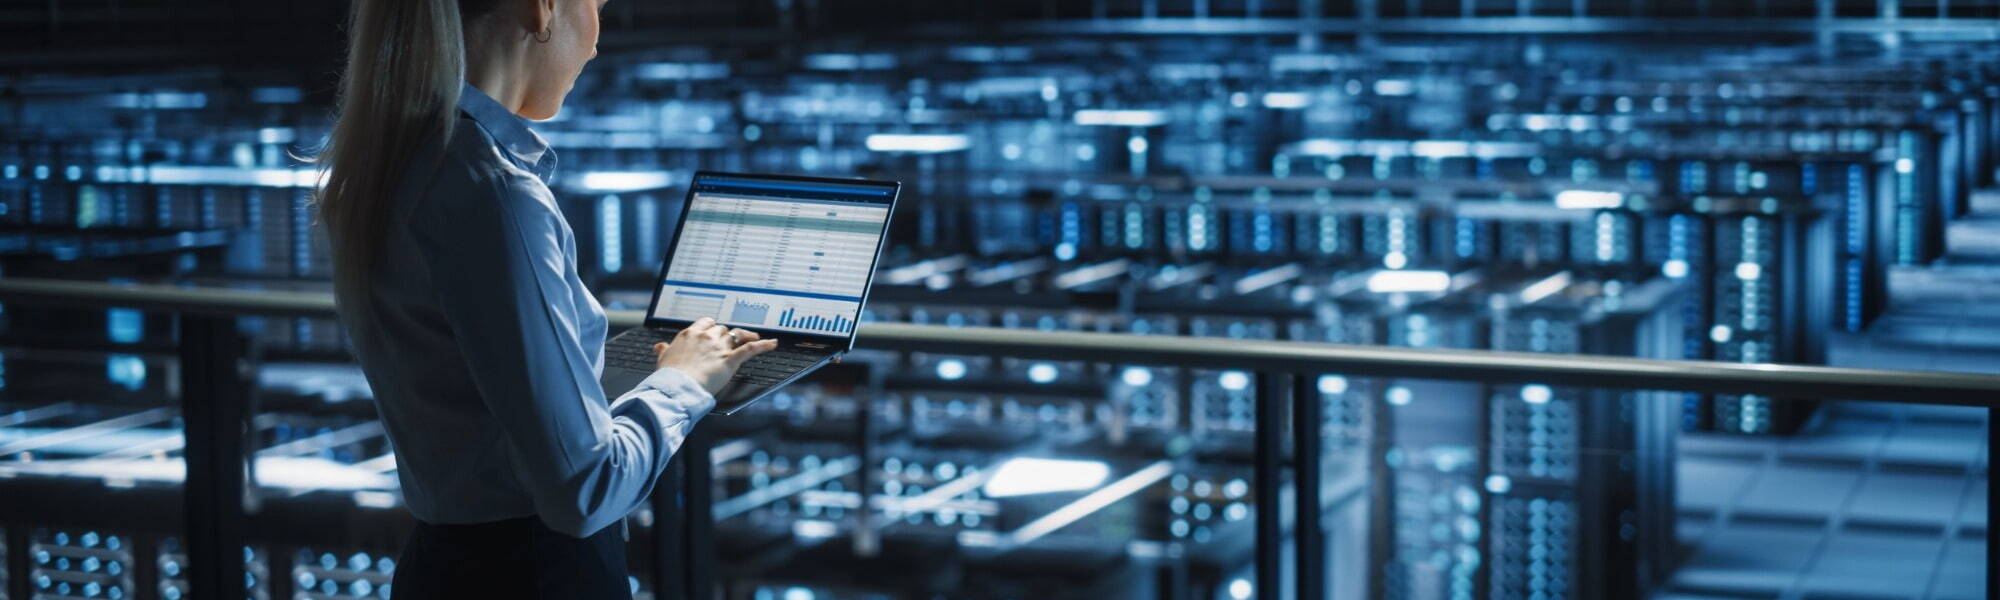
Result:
677,385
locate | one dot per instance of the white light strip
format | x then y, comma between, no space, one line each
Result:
988,53
1123,118
162,443
277,135
1402,282
1286,100
936,497
289,473
1504,149
1548,286
915,142
843,499
733,450
1009,271
1082,507
644,140
94,445
380,464
173,440
1465,280
850,62
181,175
671,70
1029,476
896,504
314,444
36,414
1440,148
1305,62
1267,278
1166,279
909,274
1347,284
625,181
1008,86
318,473
1093,273
157,100
785,487
1394,87
1588,199
1322,148
814,529
374,499
1340,148
139,419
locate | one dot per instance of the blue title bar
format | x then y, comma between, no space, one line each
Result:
830,191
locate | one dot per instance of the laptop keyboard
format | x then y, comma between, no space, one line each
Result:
635,351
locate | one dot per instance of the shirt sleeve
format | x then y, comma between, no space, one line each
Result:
493,244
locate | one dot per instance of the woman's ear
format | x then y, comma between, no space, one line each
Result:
541,15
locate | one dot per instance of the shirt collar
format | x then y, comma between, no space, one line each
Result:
522,145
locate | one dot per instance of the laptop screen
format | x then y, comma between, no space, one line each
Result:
775,253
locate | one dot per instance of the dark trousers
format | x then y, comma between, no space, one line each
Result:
515,558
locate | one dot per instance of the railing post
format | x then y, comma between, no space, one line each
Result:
278,564
214,396
669,528
17,561
1311,533
699,490
1269,441
145,563
867,541
684,522
1380,487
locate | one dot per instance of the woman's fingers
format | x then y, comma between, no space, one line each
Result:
744,352
700,325
750,349
744,335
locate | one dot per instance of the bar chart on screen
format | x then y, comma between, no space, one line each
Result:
827,323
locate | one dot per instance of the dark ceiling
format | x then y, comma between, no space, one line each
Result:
76,36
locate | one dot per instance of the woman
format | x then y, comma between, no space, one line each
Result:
456,280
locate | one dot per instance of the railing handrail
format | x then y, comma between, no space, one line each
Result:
1795,381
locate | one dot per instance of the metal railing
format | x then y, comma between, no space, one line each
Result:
212,354
1799,381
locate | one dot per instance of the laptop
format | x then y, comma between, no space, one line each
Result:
788,257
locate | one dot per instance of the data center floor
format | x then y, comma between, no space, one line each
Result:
1868,500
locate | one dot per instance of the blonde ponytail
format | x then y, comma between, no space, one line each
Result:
405,65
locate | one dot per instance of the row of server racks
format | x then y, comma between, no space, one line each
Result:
1561,198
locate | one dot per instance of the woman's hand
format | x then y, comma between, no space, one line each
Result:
710,353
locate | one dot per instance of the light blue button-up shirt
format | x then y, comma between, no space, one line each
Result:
484,348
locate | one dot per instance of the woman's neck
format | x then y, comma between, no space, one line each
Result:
496,67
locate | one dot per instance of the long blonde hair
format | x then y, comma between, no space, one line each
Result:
398,96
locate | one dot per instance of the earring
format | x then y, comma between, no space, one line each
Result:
544,35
